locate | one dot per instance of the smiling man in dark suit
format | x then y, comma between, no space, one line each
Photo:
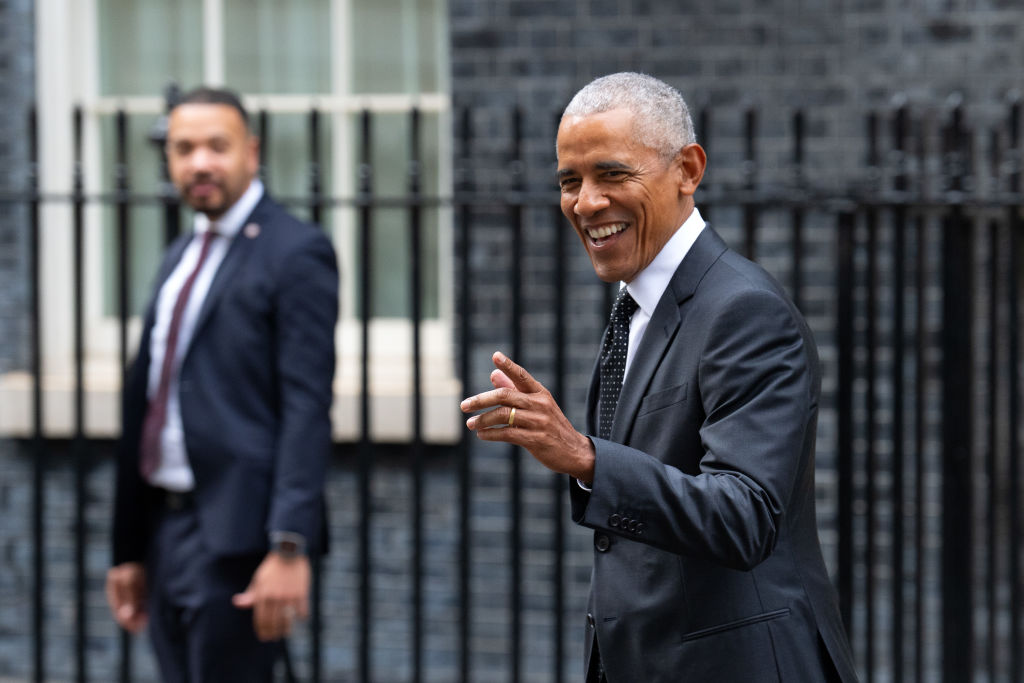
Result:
226,415
697,469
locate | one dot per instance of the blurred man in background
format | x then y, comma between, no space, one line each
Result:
219,500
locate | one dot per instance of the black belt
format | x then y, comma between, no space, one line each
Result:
176,500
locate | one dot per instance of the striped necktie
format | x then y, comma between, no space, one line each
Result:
156,412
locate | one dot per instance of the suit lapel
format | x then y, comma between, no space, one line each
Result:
662,329
174,253
242,245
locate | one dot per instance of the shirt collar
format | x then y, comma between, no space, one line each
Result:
230,223
651,282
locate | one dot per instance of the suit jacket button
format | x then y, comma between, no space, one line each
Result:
590,620
633,525
614,521
602,543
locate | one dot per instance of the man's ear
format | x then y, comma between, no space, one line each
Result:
253,144
691,161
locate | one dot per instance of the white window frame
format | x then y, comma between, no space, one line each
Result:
67,76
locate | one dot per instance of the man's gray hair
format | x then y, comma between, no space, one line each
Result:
662,119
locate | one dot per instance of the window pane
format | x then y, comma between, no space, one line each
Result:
287,156
145,44
278,47
391,151
396,46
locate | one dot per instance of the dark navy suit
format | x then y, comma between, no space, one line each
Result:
255,393
707,566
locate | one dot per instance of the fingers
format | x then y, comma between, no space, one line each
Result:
126,596
501,381
514,389
272,619
489,399
516,374
278,595
520,411
498,418
132,619
244,600
511,383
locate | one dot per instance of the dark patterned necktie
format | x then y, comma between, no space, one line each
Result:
613,360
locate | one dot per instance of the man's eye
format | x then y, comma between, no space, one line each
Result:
566,183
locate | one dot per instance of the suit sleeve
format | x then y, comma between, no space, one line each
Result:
306,313
757,387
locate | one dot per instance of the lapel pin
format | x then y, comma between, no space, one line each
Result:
251,230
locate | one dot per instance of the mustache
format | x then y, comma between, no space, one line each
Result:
202,178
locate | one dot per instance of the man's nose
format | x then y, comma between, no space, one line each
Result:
201,159
590,200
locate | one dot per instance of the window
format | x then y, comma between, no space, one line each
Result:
286,58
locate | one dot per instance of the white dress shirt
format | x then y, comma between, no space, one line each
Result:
650,284
174,472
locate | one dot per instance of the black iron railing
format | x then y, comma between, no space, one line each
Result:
911,271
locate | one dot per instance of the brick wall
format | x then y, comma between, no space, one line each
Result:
16,88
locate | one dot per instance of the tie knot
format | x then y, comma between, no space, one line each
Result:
625,306
207,240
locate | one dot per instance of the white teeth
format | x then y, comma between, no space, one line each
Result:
600,233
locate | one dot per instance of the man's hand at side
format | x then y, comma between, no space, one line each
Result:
278,595
126,595
538,425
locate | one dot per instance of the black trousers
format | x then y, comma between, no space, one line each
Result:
198,636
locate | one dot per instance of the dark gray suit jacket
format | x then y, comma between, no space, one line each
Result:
255,389
707,566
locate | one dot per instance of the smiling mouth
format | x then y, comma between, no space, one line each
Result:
598,235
